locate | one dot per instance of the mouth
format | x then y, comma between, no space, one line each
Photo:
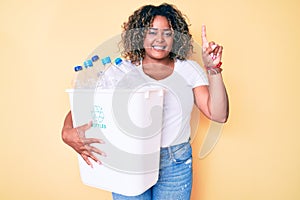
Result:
162,48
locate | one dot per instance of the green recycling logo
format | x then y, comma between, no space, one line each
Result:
98,117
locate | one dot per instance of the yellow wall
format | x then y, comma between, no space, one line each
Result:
257,156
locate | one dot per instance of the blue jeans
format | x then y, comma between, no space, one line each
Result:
175,176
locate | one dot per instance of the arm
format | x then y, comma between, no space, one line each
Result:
212,100
75,138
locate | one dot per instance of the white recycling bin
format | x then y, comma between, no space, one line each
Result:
129,122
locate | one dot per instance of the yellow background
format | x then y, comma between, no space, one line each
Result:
257,156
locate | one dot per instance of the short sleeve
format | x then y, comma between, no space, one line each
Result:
193,73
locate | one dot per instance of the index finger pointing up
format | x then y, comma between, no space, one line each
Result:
204,39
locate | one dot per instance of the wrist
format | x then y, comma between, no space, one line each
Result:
214,67
214,71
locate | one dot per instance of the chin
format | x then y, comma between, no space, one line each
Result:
160,55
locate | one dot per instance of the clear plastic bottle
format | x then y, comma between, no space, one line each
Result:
119,72
98,69
90,76
115,73
106,62
77,82
106,81
123,66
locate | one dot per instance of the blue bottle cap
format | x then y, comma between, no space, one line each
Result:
88,63
106,60
95,58
77,68
118,61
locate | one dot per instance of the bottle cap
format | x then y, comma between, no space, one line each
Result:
77,68
95,58
118,61
88,63
106,60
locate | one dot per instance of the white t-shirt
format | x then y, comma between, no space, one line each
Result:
178,100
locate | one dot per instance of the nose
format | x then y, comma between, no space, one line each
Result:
160,37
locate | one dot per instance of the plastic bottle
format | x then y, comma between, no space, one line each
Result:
119,72
98,69
77,83
115,73
122,66
89,75
106,62
106,81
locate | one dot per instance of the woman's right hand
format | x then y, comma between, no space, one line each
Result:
75,137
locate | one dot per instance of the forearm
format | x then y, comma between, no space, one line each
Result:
68,124
218,99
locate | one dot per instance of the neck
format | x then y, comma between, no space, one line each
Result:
158,69
166,62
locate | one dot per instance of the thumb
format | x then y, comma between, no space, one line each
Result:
87,126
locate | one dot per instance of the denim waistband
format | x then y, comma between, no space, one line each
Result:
168,152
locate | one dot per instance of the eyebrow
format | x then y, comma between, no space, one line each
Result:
165,29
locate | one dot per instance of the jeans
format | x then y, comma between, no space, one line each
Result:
175,176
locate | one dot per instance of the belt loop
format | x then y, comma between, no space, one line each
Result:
170,153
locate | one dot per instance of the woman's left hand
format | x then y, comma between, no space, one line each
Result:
211,52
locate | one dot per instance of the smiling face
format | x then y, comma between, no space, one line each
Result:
159,40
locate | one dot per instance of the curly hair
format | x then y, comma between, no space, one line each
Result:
138,23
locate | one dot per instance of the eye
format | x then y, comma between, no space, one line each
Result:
168,33
152,32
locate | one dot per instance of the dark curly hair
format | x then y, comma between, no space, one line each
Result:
138,23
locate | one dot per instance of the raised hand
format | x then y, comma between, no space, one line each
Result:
211,52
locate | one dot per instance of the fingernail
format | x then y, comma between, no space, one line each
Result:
101,142
100,163
103,154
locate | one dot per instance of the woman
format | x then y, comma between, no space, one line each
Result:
156,39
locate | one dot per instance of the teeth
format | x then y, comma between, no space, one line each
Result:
159,47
